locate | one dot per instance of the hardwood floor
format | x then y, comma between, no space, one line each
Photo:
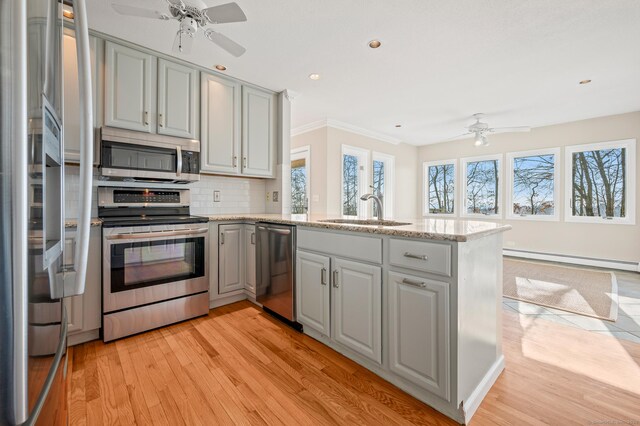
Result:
240,366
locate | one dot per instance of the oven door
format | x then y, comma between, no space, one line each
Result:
148,264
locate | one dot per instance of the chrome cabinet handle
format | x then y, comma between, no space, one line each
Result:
235,161
335,279
146,118
160,121
222,238
244,162
420,284
253,238
323,276
416,256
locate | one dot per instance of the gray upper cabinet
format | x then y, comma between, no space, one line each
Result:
220,124
72,95
258,132
178,100
129,79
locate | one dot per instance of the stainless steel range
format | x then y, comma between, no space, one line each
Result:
154,260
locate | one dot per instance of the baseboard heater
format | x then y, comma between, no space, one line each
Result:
576,260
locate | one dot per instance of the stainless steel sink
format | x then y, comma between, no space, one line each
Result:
371,222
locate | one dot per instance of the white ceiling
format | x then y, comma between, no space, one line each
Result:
518,61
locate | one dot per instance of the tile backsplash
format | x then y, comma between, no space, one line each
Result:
237,195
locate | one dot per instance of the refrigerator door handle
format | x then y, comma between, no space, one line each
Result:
77,279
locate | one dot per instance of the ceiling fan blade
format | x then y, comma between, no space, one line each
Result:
510,129
457,137
182,43
225,42
225,13
125,9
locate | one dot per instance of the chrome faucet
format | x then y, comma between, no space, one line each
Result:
378,201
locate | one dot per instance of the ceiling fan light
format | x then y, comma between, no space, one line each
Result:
478,141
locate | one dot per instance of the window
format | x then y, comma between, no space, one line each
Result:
382,183
439,186
481,180
532,184
300,177
600,182
354,180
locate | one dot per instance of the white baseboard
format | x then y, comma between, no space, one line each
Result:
471,404
575,260
83,337
221,301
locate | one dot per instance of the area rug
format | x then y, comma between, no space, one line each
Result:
582,291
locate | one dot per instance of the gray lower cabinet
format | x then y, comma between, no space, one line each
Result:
250,258
129,82
313,291
357,307
230,258
419,331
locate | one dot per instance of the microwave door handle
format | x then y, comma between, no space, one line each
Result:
179,166
86,150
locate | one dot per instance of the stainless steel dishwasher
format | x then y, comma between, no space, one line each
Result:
275,268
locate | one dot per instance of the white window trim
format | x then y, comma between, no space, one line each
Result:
363,178
510,156
425,188
304,152
463,187
630,196
389,181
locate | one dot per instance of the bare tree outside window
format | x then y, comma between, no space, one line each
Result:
350,185
533,185
482,187
441,188
378,183
298,187
599,183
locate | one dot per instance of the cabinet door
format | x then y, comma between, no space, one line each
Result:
258,132
128,84
250,258
419,330
231,258
220,125
178,100
72,95
312,291
357,307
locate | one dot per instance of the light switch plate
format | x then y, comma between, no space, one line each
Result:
216,196
275,196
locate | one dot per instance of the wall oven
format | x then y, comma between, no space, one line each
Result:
144,157
155,267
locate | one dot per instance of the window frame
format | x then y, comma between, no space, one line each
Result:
463,186
510,157
389,182
363,179
630,195
426,185
303,152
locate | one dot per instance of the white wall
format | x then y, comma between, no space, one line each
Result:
326,165
602,241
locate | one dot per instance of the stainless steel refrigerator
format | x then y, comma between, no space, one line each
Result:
33,280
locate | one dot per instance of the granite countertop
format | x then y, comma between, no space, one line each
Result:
431,229
73,223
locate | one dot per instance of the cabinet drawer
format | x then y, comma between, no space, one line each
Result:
350,246
421,256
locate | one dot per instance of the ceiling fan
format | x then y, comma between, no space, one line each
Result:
480,131
192,16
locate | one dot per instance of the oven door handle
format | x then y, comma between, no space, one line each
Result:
157,234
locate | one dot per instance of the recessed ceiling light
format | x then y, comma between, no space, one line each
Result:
374,44
314,76
398,125
221,68
67,12
585,81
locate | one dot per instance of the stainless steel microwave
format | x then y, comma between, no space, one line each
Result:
144,157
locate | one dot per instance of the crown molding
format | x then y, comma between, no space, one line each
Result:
340,125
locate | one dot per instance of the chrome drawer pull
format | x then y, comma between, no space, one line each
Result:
416,256
253,238
335,279
420,284
323,276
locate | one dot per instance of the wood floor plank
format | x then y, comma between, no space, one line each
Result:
238,365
